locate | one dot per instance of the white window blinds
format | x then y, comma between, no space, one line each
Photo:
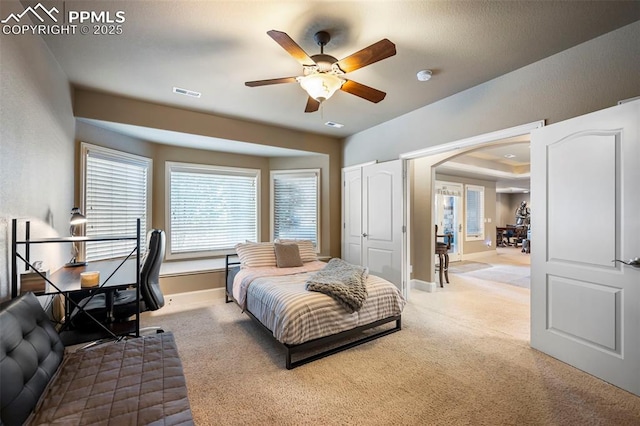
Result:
474,212
211,208
116,193
295,205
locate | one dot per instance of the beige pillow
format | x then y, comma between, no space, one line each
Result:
256,255
307,250
287,255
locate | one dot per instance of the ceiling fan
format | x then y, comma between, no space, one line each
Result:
323,74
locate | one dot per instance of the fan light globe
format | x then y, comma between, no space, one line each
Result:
320,86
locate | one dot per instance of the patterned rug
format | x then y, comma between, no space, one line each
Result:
467,266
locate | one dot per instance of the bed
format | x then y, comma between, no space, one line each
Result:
308,323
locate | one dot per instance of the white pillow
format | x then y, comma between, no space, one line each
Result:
255,255
307,251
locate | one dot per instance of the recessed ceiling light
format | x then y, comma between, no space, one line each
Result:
334,124
424,75
187,92
509,156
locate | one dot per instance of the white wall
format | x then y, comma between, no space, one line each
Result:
36,146
585,78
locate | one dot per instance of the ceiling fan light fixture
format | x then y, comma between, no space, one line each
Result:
320,86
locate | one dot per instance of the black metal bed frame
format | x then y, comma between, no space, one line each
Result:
321,341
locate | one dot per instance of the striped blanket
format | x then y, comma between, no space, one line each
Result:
342,281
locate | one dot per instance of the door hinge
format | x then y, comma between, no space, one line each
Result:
404,229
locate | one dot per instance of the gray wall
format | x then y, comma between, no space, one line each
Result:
583,79
36,146
469,247
506,205
101,106
160,154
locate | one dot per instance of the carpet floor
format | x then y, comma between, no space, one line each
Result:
462,358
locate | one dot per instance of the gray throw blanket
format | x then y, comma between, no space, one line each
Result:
342,281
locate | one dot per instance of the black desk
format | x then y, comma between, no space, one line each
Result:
66,281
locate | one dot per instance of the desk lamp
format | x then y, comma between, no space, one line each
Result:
77,219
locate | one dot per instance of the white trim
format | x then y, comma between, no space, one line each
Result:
423,285
315,171
475,140
85,147
205,168
461,167
481,190
181,300
624,101
192,266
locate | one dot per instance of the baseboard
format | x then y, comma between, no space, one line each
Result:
423,285
187,297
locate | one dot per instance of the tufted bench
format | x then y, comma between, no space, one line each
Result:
131,382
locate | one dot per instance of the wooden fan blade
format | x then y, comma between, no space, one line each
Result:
365,92
367,56
312,105
272,81
291,47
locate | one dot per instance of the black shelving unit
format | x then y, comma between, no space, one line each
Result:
66,276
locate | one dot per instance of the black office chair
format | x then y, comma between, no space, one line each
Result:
125,302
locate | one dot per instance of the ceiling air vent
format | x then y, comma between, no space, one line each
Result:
186,92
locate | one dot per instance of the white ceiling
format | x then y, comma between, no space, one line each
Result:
512,175
213,47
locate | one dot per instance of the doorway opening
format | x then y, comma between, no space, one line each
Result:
423,209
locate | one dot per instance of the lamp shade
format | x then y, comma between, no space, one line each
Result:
77,218
320,86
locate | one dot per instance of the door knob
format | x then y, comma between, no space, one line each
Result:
365,235
631,262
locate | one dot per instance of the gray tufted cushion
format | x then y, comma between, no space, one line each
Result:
30,353
132,382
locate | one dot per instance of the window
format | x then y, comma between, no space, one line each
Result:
474,216
116,190
210,208
295,205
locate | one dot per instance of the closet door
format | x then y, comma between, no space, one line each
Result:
352,215
383,220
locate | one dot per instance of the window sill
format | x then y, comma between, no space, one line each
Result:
188,267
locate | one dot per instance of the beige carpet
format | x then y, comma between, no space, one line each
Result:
462,358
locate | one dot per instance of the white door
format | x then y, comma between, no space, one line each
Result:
382,220
585,308
352,216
